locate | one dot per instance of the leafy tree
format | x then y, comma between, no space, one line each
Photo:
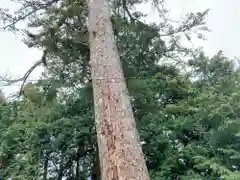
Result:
58,140
201,126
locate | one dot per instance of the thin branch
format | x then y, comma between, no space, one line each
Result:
156,4
27,74
29,14
124,3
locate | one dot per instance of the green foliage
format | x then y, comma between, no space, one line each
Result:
189,122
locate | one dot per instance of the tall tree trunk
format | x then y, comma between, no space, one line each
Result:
45,167
96,174
80,153
120,153
77,169
60,171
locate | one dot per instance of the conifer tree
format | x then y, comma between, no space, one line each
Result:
120,152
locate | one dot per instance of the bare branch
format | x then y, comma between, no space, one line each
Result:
27,74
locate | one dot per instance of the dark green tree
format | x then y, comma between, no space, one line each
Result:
58,137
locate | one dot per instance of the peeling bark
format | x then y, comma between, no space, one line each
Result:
120,153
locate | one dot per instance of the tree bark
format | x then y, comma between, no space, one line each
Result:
120,153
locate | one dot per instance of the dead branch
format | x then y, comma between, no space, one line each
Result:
27,74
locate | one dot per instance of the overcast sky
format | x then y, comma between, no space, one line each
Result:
223,20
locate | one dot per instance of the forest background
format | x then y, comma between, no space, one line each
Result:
186,104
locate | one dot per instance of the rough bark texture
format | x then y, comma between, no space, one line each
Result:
120,153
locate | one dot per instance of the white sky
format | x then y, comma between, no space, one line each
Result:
223,20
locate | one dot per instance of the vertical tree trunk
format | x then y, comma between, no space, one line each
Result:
60,171
120,153
45,167
77,169
96,174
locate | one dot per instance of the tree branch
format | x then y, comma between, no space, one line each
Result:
28,14
27,74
